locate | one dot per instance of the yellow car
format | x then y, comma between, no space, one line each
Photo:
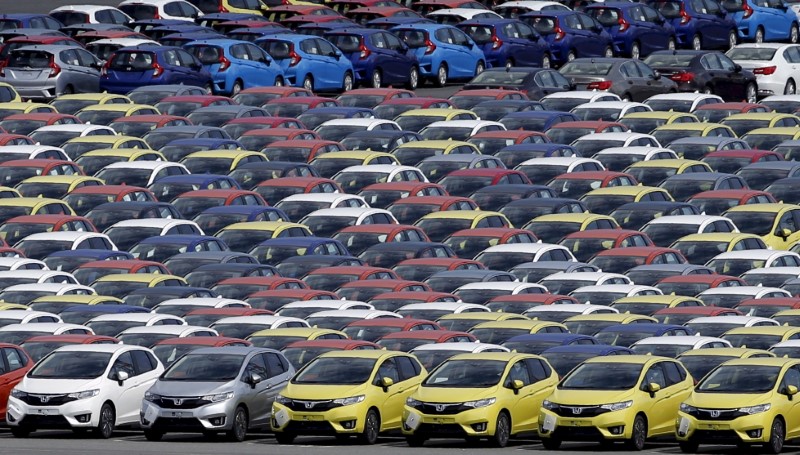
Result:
8,94
18,107
13,306
244,236
590,324
11,207
438,225
417,119
70,104
57,303
498,332
761,337
121,284
649,304
774,223
668,133
55,186
787,317
700,361
347,393
282,337
462,322
702,247
330,163
103,114
606,200
627,398
94,161
766,138
411,153
553,228
743,402
8,192
653,172
220,161
645,122
490,394
80,145
742,124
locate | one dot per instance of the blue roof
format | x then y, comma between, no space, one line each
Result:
564,338
354,29
263,30
705,176
190,36
323,26
225,17
597,349
205,255
157,22
105,309
654,329
187,239
622,5
95,255
552,13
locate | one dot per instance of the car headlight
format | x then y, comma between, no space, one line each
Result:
217,397
687,408
617,406
479,403
149,396
84,394
412,402
16,393
282,399
549,405
349,400
756,409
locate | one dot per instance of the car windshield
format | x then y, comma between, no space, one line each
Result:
564,362
494,335
768,279
541,174
700,365
749,53
71,365
204,368
751,222
739,379
642,125
605,204
300,356
552,231
445,133
137,129
752,341
602,376
336,371
335,132
467,374
586,68
663,350
593,113
525,123
125,176
417,122
505,78
360,100
765,141
676,106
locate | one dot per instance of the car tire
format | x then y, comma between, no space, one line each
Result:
308,83
415,441
609,52
480,67
751,93
209,88
372,427
626,97
688,446
546,62
347,82
671,45
790,88
571,55
279,82
636,50
794,34
638,434
68,90
152,435
20,432
509,64
413,78
777,435
759,36
238,431
237,87
441,76
551,443
376,80
105,425
284,437
502,430
708,90
733,39
697,42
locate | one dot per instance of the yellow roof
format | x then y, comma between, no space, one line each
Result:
621,318
626,191
763,361
12,306
80,299
774,207
760,116
787,313
353,154
105,139
482,316
224,154
670,116
726,352
4,189
263,226
307,332
659,299
24,106
717,237
28,201
435,112
792,131
782,330
151,278
533,324
638,359
126,108
62,179
130,154
99,97
702,126
678,163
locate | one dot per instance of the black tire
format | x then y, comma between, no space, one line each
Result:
636,50
238,431
759,36
777,435
638,434
372,427
105,425
308,83
697,42
790,88
480,67
413,78
347,82
284,437
509,64
551,443
68,90
502,431
688,446
415,441
547,62
153,435
708,90
237,87
441,76
377,79
279,82
20,432
626,97
209,88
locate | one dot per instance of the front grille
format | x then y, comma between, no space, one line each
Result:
577,434
441,408
716,414
55,422
180,402
446,429
578,411
311,405
172,423
309,427
728,436
46,399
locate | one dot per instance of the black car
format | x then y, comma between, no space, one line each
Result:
631,80
379,140
534,82
706,72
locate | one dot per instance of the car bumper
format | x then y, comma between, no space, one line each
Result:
770,85
745,31
36,89
612,425
748,429
215,416
341,420
75,414
475,422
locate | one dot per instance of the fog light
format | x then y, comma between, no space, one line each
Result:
619,429
83,418
754,433
217,421
10,418
479,427
348,424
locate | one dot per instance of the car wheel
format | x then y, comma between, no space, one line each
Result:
733,39
609,52
413,78
791,87
20,432
278,81
372,426
671,44
546,63
377,81
708,90
777,433
347,82
441,75
638,434
697,43
551,443
688,446
209,88
626,97
152,435
308,83
237,87
238,431
571,56
502,430
479,68
68,90
415,441
509,64
636,51
751,93
759,38
794,34
105,426
284,437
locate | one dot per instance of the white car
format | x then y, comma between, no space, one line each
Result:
179,307
296,206
459,130
619,158
17,333
506,256
592,143
89,14
160,9
55,135
785,104
139,173
338,129
675,345
88,386
482,292
354,178
244,326
15,277
717,325
731,296
103,48
41,245
10,317
542,170
560,313
32,152
27,293
326,222
431,355
338,319
788,348
681,102
434,310
113,324
11,263
149,336
514,9
609,111
665,230
302,309
738,262
566,282
608,293
774,65
773,276
566,101
453,16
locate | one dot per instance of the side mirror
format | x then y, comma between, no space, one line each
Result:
790,391
253,379
784,233
737,67
122,376
652,388
656,75
386,383
516,384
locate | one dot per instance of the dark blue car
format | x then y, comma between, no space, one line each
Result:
564,358
379,58
570,35
508,42
699,24
69,260
160,248
638,30
168,188
129,68
81,314
209,275
24,20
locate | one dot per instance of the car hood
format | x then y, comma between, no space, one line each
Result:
189,389
322,391
590,397
728,400
58,386
453,395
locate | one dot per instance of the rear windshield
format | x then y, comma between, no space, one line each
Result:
607,16
481,34
670,9
29,59
206,54
132,60
346,43
413,38
677,60
277,49
545,25
751,53
70,17
140,11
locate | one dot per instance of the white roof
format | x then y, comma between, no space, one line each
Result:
365,122
55,288
322,197
161,223
583,276
467,13
744,321
34,274
561,160
610,105
356,314
151,165
621,136
766,271
531,248
329,304
50,327
683,340
10,263
64,236
464,124
795,98
764,45
742,290
639,150
533,4
22,315
348,212
688,219
112,348
135,317
82,128
577,94
455,307
577,308
786,344
630,289
263,319
461,346
28,149
384,168
683,97
766,255
84,8
147,2
211,302
513,286
125,42
177,330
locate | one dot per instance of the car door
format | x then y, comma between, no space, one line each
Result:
394,396
658,36
191,68
541,379
715,33
12,368
790,406
129,394
256,396
88,66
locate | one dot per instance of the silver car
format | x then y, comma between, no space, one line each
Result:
220,389
48,71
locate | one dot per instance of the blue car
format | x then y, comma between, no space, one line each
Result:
570,35
275,251
81,314
508,42
209,275
698,24
310,62
251,34
132,67
168,188
236,65
763,20
179,39
536,343
444,52
182,264
637,30
22,20
179,148
379,58
313,118
160,248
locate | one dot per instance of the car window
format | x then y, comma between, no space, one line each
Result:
406,366
711,6
388,369
142,363
123,363
14,359
538,369
629,69
518,372
573,22
275,365
655,375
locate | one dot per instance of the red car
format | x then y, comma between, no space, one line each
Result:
364,290
39,346
371,97
620,260
467,99
19,227
139,125
683,314
567,132
585,244
331,278
717,201
767,307
390,301
382,195
464,182
467,243
573,185
15,139
14,171
300,151
15,364
296,105
192,203
407,340
171,349
391,108
204,317
713,113
239,126
359,238
259,96
491,142
260,139
240,288
300,353
374,329
520,303
691,285
274,299
274,190
85,198
25,124
411,209
419,269
89,272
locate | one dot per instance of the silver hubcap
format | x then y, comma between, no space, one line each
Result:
610,52
751,94
732,40
241,425
790,88
571,56
348,82
442,74
414,77
307,84
696,43
759,36
546,62
635,51
376,79
107,421
671,45
794,34
236,88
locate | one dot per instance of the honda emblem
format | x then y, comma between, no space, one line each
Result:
440,407
714,414
177,401
577,411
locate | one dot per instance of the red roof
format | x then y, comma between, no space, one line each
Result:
42,163
310,100
5,138
229,312
730,194
204,341
227,194
72,339
312,143
450,263
794,302
435,336
40,39
645,251
540,299
754,154
343,345
47,219
297,294
383,284
108,189
353,270
712,280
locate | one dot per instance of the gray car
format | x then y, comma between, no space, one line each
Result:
210,390
47,71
